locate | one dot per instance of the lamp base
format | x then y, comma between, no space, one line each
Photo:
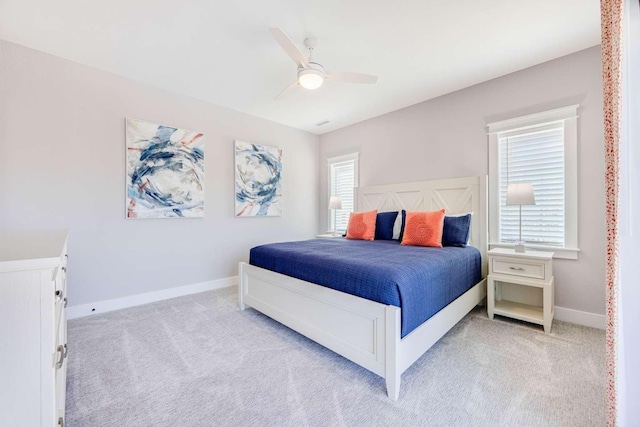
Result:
519,247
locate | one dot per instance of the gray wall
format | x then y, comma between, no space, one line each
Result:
446,137
62,165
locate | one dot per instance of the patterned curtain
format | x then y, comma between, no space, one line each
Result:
612,32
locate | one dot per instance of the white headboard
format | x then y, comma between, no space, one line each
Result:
455,195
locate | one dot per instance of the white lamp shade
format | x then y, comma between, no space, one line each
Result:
520,194
335,202
310,79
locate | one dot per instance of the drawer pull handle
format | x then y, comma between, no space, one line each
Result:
65,302
60,422
64,269
516,268
62,349
59,295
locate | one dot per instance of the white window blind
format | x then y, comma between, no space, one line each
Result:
540,149
342,177
533,155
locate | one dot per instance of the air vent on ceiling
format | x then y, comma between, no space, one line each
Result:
324,122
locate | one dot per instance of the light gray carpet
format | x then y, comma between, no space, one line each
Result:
199,361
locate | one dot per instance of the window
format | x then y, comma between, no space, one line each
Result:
540,149
343,178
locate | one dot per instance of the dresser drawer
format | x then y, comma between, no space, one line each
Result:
511,267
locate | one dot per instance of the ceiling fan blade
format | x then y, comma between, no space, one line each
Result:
289,46
346,77
287,90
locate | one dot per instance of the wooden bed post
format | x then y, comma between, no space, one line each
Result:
241,284
392,371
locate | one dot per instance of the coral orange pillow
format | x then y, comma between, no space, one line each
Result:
424,229
362,225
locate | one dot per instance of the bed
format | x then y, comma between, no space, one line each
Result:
368,332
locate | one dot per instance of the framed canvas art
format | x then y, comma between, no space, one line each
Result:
165,171
258,180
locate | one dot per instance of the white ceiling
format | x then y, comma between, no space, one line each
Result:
222,51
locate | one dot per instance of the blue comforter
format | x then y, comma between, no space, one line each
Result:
422,281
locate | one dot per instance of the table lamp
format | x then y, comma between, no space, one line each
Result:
520,194
335,202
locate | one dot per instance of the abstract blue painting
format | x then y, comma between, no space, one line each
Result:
258,180
165,171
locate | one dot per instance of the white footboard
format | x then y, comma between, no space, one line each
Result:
352,327
365,332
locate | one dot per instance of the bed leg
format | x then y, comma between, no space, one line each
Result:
241,279
393,387
392,339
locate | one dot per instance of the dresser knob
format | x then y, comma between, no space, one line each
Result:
61,422
59,295
65,302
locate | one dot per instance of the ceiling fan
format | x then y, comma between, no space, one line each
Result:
311,75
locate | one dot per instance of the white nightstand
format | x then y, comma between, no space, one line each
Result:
328,236
509,273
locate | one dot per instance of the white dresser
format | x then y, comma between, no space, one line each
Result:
33,328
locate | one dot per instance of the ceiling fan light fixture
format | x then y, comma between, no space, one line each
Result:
311,75
310,79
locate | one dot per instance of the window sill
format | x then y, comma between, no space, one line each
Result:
560,253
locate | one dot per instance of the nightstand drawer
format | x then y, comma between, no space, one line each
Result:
511,267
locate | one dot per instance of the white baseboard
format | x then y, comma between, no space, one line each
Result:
577,317
580,317
75,311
